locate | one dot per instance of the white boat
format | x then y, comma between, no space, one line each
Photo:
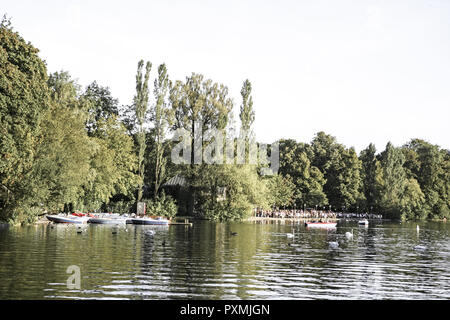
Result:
315,224
67,219
108,220
150,221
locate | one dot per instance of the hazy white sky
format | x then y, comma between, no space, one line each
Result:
364,71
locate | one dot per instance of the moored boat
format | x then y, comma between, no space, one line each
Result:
68,219
316,224
107,220
363,222
150,221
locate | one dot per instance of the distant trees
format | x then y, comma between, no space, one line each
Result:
341,169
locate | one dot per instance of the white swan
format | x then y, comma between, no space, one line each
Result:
349,235
290,235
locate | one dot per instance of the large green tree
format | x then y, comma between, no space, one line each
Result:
428,164
308,179
399,196
197,106
24,99
140,106
341,168
160,116
370,174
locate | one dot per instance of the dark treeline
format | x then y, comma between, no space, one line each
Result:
67,148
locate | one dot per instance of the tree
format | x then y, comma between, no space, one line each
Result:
341,168
428,165
100,105
140,107
247,116
281,191
229,192
112,165
199,105
160,118
24,98
370,174
400,197
62,162
308,179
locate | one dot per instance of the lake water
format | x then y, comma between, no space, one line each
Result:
206,262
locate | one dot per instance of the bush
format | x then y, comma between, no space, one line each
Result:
163,205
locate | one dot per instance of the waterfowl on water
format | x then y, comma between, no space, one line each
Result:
349,235
233,233
333,244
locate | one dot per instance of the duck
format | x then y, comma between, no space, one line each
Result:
233,233
349,235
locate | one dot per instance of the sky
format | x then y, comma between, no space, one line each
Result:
364,71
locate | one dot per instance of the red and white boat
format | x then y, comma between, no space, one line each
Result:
73,218
318,224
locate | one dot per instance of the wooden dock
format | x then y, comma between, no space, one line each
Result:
185,222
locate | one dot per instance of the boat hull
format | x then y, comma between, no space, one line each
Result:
146,221
320,224
76,220
107,221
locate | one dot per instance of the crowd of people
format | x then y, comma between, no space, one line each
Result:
316,214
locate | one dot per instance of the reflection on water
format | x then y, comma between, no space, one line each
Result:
206,261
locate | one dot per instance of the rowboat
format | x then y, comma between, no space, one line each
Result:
315,224
150,221
67,219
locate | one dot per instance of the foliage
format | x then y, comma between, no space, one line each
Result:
160,116
399,197
241,187
24,98
308,179
140,106
281,191
341,168
163,205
